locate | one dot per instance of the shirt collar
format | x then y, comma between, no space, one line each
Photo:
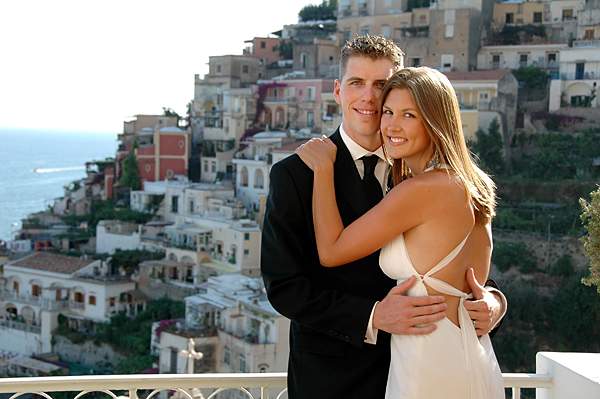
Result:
356,151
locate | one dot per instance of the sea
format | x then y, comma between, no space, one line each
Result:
35,165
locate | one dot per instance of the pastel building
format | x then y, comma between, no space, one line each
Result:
162,153
445,35
38,287
232,324
577,85
493,94
294,104
545,56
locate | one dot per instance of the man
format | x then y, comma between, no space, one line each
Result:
336,348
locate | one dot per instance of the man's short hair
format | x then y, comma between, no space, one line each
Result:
371,46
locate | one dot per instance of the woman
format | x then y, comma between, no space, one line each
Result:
433,224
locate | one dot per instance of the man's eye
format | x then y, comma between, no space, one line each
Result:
355,83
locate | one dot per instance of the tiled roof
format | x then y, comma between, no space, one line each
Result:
494,74
52,263
290,147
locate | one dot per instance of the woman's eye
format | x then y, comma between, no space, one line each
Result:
408,115
387,112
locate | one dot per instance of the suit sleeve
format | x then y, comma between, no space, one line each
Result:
491,285
290,268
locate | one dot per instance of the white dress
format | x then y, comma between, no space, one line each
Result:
449,363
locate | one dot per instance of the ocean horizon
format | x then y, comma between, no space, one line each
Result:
36,164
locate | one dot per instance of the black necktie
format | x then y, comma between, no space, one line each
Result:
372,186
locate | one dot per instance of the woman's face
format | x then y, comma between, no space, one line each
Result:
403,128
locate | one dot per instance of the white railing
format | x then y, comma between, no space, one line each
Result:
517,381
189,386
198,386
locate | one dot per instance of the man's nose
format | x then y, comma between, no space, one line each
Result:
370,93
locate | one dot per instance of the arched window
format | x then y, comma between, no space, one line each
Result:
244,177
259,179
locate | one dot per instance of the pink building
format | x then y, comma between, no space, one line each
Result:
163,154
266,49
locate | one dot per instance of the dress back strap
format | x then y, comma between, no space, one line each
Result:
449,258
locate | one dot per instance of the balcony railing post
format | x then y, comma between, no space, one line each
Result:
516,392
133,393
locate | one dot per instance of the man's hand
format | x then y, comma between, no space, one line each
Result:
485,309
401,314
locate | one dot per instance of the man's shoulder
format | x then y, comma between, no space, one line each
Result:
292,166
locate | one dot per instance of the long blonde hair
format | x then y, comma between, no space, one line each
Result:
437,103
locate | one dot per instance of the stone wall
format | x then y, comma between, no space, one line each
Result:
87,353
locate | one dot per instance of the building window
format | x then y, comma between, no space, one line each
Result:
537,17
509,18
551,58
495,61
92,300
415,62
581,101
191,206
111,301
483,96
244,177
213,166
175,204
244,68
78,297
218,68
147,168
310,119
567,14
303,60
170,174
246,236
263,44
16,286
206,166
523,60
449,33
226,355
246,252
310,93
36,290
386,31
589,34
242,363
259,179
447,62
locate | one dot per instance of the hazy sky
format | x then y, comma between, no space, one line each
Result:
89,64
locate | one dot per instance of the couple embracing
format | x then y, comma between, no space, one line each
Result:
383,291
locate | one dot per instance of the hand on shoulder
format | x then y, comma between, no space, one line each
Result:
318,153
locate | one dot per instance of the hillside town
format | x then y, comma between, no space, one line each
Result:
166,235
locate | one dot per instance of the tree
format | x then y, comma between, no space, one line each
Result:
131,175
591,241
324,11
170,112
489,148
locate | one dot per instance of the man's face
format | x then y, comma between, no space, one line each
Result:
358,95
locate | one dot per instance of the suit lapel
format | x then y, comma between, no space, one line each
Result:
349,188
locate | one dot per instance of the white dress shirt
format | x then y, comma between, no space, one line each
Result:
382,170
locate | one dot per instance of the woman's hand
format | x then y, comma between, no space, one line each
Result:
318,154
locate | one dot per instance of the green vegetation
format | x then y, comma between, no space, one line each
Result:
106,210
488,148
591,241
322,12
563,316
130,259
131,175
531,77
412,4
135,343
507,255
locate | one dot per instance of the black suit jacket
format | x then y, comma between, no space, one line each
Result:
329,308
